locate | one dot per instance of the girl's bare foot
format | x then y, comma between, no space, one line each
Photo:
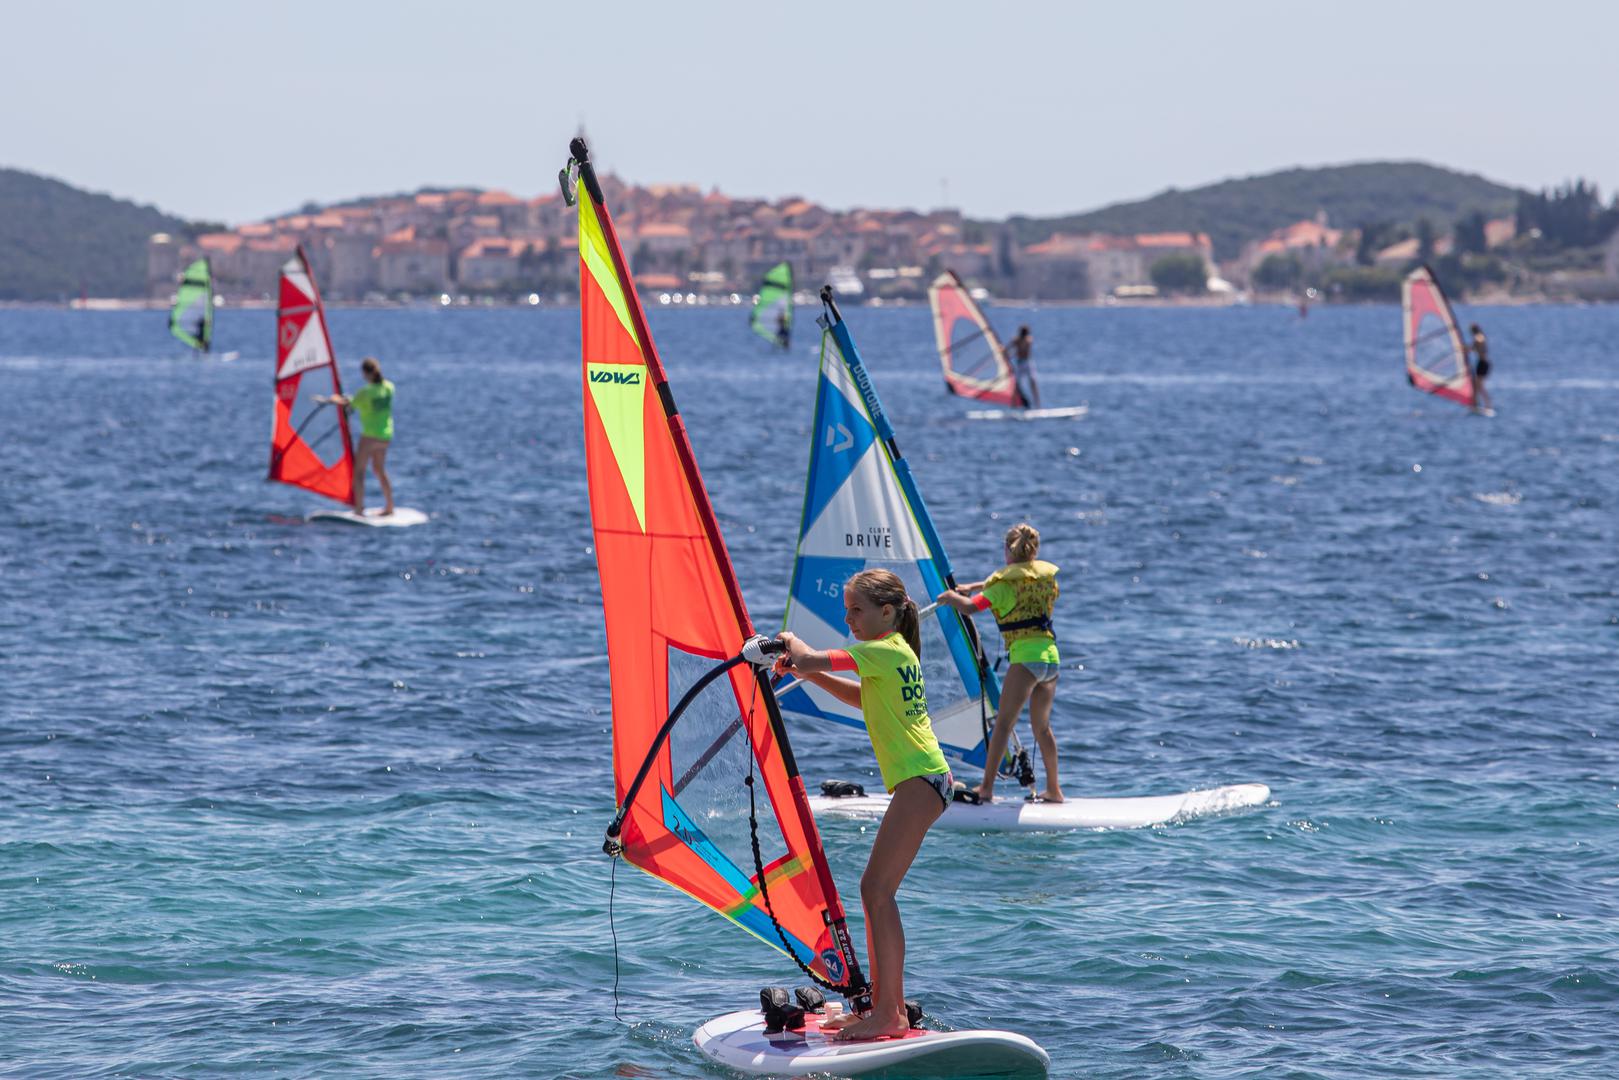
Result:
1052,796
875,1026
985,794
838,1023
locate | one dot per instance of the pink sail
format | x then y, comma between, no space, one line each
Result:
1435,357
975,363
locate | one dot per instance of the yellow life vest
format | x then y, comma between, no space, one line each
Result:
1034,584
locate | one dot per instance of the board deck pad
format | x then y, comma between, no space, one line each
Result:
402,517
738,1041
1012,813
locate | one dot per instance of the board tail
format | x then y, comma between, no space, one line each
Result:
862,508
309,442
1435,356
692,725
974,360
192,317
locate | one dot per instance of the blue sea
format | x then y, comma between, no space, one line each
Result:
306,800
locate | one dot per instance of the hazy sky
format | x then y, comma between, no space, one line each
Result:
225,110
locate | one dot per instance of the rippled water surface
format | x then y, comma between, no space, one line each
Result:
304,800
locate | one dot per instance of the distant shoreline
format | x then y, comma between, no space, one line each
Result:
95,304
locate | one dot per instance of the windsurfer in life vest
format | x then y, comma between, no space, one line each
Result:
784,334
1022,594
1019,351
375,403
889,694
1480,348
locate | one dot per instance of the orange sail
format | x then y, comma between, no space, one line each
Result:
309,444
710,800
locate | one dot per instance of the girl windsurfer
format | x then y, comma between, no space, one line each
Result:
889,692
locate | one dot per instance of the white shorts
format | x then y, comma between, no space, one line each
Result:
1043,673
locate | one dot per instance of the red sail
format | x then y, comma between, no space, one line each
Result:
1435,358
672,608
309,446
974,360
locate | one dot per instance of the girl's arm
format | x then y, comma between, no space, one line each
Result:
845,690
814,666
967,605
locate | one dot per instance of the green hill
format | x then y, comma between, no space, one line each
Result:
55,239
1233,212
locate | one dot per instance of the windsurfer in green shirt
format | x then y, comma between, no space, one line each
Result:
375,403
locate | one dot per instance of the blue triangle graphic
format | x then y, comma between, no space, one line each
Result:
841,438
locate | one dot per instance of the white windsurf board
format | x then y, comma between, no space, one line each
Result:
1067,412
402,517
738,1041
1011,812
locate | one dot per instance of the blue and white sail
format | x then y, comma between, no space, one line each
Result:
862,509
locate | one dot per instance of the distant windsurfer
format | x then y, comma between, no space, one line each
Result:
1480,348
890,695
1022,594
1020,351
375,403
784,329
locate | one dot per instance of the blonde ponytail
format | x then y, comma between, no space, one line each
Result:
1023,541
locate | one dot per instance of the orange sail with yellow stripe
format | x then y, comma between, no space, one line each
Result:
708,795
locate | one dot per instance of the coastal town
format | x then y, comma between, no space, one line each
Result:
471,245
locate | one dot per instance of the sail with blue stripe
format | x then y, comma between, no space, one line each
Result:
862,509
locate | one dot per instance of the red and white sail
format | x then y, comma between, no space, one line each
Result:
974,360
309,443
1435,356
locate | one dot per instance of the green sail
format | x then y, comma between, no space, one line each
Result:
192,320
772,317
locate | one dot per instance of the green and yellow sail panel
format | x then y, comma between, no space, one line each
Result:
772,317
192,317
672,609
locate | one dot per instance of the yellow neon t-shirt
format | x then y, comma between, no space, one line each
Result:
895,708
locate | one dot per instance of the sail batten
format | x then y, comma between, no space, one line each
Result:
863,509
1435,355
672,610
309,440
192,317
973,358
